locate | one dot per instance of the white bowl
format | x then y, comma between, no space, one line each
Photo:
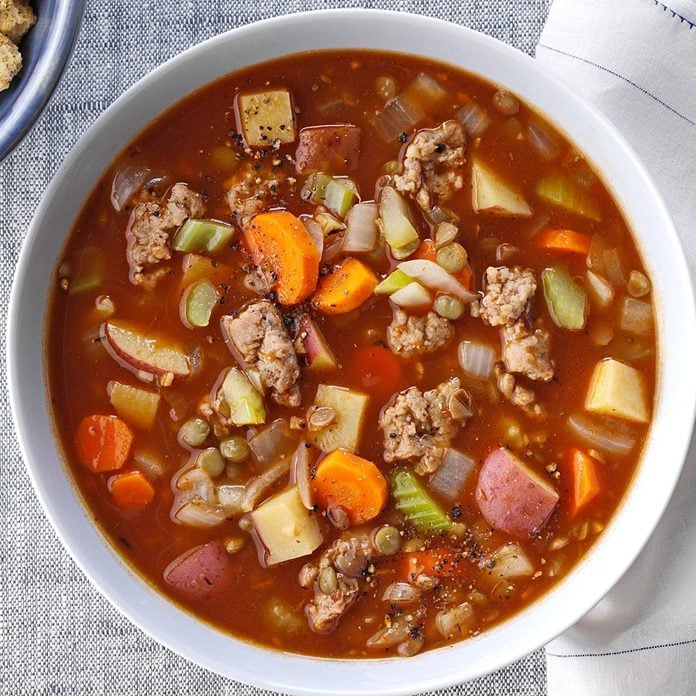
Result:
674,408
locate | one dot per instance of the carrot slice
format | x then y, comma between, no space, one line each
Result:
280,244
352,483
565,241
586,479
377,369
344,290
103,443
131,491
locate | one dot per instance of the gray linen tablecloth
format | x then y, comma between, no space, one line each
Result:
57,634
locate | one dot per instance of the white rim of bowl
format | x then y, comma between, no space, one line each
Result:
292,673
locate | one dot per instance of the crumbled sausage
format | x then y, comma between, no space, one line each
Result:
324,611
517,394
10,62
507,295
259,335
527,353
253,193
429,170
419,426
16,18
148,231
413,335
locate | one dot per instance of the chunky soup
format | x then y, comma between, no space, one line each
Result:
351,354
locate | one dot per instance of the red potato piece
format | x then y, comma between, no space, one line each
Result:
512,497
331,149
144,352
317,351
204,572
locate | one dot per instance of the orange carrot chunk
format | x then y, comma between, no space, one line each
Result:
587,484
377,369
103,443
344,290
281,246
352,483
564,241
131,491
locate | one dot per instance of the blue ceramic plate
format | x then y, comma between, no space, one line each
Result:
45,52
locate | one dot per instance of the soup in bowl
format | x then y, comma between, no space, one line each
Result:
355,354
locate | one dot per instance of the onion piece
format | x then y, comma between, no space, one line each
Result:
301,475
616,438
231,498
427,89
400,115
474,119
400,593
196,513
636,316
614,267
412,296
542,141
361,228
390,636
195,483
436,278
258,485
127,181
477,359
601,291
274,441
315,232
511,562
450,477
454,622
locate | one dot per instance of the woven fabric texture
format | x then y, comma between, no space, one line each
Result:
57,634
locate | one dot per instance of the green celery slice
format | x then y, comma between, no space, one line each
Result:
338,198
397,228
203,236
565,193
416,504
315,187
394,281
565,299
199,300
91,264
243,400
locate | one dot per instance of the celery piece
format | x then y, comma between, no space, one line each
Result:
244,402
565,299
397,228
198,302
315,187
394,281
416,505
337,197
565,193
89,264
203,236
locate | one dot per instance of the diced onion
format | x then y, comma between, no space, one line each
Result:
412,296
454,622
474,119
400,593
361,228
614,267
426,89
452,474
258,485
390,635
198,514
511,562
316,233
400,115
300,474
476,359
127,181
275,440
542,141
636,316
435,277
601,290
616,440
231,498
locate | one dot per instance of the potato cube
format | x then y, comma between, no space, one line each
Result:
349,407
264,117
285,527
617,389
136,406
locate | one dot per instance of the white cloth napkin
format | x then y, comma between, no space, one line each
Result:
636,61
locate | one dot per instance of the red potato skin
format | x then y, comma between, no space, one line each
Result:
318,353
510,496
204,572
330,149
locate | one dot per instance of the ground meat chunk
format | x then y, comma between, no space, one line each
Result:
507,295
412,335
259,336
10,62
253,192
419,426
325,610
430,163
149,227
16,18
517,394
527,353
